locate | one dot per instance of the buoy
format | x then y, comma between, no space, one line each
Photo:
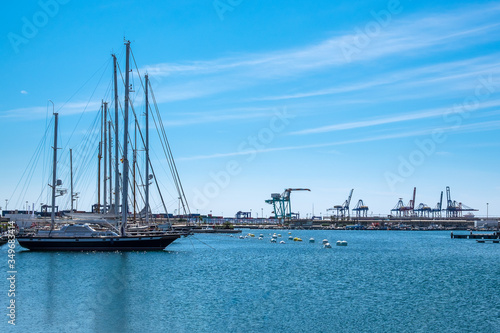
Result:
279,235
261,235
261,238
341,243
311,240
290,237
274,236
297,239
273,240
325,241
231,236
251,235
282,242
241,237
289,232
327,245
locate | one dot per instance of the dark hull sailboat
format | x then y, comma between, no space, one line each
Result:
84,237
118,243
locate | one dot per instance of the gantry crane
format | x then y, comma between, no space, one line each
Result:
401,210
436,211
423,210
281,203
360,209
409,209
343,210
455,209
398,209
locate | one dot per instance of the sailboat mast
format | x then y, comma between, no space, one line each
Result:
104,151
110,168
147,150
117,174
134,164
54,181
99,156
125,142
71,178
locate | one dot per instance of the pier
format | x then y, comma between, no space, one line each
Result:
479,237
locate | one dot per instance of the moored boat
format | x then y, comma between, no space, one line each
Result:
95,235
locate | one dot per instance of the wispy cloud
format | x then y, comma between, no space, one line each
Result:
24,92
416,34
221,116
37,112
469,128
423,114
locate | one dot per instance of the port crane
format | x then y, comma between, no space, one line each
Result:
243,215
408,210
360,209
436,211
343,210
423,210
401,210
282,208
453,208
398,209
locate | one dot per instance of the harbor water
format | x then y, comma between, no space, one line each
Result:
383,281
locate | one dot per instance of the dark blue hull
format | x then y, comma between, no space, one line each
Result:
136,243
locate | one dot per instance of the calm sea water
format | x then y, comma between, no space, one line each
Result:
383,281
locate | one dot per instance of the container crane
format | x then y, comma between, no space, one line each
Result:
360,209
423,210
436,211
343,210
398,209
455,209
401,210
281,203
408,210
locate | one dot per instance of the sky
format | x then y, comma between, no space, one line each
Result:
260,96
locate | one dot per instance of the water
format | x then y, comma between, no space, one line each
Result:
383,281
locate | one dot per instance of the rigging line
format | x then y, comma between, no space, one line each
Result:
176,175
159,192
199,240
164,170
152,169
164,151
170,158
88,102
32,160
45,159
85,145
106,63
151,165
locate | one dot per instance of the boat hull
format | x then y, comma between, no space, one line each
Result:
142,243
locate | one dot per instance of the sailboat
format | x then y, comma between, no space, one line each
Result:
88,234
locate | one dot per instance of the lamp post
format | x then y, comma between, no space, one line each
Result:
487,204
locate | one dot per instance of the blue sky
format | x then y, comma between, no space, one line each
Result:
379,96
